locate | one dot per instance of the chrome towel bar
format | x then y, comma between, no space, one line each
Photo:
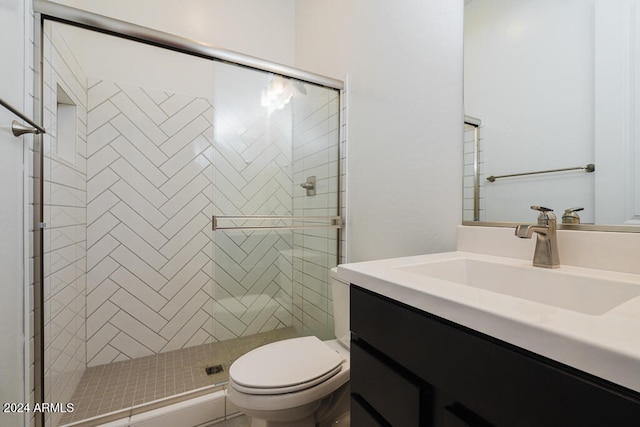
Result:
334,222
20,129
588,168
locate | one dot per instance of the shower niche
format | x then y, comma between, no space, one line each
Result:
141,296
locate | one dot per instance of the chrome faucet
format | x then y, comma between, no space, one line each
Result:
546,253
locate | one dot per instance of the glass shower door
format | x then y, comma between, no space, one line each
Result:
275,198
128,275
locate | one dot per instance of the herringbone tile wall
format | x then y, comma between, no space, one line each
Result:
152,188
149,206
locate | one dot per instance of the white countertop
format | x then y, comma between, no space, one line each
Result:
606,345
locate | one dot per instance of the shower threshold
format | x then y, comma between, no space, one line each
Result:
146,383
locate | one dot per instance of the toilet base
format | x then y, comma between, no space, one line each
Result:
306,422
331,411
335,410
302,416
343,420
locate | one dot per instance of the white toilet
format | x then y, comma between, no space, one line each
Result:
301,382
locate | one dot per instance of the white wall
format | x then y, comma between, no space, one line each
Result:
12,210
102,57
404,66
265,29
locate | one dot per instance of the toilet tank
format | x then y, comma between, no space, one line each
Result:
340,298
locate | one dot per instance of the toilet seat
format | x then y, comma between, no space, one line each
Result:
285,366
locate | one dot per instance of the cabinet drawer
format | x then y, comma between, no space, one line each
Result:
362,416
499,382
395,396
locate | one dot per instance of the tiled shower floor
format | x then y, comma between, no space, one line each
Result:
122,385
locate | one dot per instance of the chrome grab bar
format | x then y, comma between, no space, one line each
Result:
335,222
588,168
20,129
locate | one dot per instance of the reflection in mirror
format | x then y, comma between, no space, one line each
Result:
473,200
553,86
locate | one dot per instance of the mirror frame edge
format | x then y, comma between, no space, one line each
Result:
577,227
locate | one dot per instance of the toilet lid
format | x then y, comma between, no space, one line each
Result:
285,366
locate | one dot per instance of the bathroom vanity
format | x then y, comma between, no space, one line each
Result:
428,349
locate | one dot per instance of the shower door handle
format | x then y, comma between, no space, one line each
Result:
282,222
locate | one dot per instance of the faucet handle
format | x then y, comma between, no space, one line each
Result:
545,215
574,209
570,216
541,209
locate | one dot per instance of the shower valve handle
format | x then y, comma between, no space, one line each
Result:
310,185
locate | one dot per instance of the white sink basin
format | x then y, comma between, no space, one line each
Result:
568,290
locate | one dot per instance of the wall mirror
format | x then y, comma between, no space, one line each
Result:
552,85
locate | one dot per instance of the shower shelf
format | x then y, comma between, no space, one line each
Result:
333,222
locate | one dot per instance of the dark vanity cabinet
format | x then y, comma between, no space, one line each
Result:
410,368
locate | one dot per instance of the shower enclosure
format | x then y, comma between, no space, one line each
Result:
190,211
